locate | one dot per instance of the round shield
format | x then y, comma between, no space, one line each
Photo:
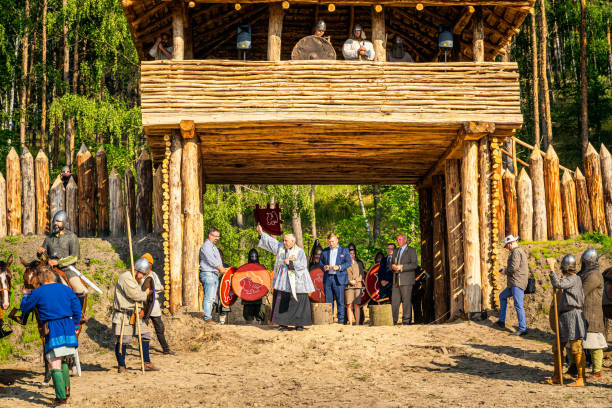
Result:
372,284
251,282
316,275
313,48
365,297
147,308
227,297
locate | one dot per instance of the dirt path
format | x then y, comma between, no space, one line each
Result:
461,364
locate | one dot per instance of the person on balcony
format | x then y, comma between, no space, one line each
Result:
319,30
357,48
397,53
162,50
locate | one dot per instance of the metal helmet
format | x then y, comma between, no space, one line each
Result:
142,265
321,26
357,27
568,264
59,216
589,257
253,256
66,169
398,40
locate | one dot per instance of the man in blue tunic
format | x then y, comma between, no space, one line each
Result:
335,260
59,311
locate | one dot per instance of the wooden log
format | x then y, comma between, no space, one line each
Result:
13,193
28,201
536,171
472,286
275,29
116,207
427,259
158,201
592,173
178,32
57,197
2,206
568,203
72,205
380,315
498,221
321,313
583,207
525,206
129,195
41,176
552,188
144,197
87,192
102,192
193,235
454,237
175,211
509,184
478,35
379,35
606,177
484,216
440,274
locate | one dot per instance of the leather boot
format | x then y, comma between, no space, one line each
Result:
580,366
150,367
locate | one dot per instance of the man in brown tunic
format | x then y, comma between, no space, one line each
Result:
517,272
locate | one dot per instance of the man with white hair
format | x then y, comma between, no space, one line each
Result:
292,283
403,264
517,274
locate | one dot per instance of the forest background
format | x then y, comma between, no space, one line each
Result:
69,76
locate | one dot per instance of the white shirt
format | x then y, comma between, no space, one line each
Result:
401,252
160,55
351,48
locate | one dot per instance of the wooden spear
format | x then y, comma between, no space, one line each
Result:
551,264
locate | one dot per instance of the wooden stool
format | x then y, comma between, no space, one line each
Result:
380,315
321,313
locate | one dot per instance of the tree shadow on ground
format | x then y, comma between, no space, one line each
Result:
13,378
93,367
532,333
531,355
100,334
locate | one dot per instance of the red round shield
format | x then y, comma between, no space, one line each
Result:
365,297
372,284
316,274
227,297
251,282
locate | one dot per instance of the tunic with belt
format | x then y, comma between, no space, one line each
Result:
572,324
127,293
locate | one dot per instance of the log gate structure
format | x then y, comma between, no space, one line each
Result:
211,117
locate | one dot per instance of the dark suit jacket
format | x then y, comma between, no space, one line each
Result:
343,260
409,264
384,272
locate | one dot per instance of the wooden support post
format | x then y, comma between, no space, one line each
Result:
472,285
178,32
87,192
28,201
102,191
144,195
498,221
158,200
175,211
379,34
606,176
72,205
116,214
509,183
2,206
554,217
426,224
583,207
536,171
568,203
592,172
484,216
454,237
13,193
129,196
275,29
478,36
193,235
440,274
525,206
41,175
57,197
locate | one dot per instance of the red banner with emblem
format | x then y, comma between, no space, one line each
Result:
269,218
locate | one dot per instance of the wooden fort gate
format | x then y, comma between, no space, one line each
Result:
215,118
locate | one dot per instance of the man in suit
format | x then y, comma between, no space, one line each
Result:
335,259
404,264
385,275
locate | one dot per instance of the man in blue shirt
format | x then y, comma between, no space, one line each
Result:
335,259
211,265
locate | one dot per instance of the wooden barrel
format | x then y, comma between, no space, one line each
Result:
380,315
321,313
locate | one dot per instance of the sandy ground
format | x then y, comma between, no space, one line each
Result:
457,364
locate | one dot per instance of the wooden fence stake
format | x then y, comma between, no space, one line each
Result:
536,172
102,208
72,205
57,197
2,206
116,212
585,222
509,183
87,192
470,222
552,187
592,173
568,203
13,193
129,196
144,195
525,206
28,197
41,175
606,176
